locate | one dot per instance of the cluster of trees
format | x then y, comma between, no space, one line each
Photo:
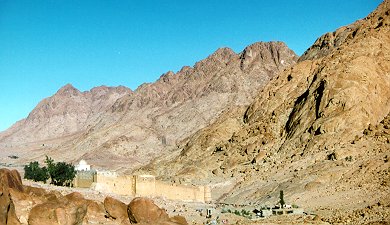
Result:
59,173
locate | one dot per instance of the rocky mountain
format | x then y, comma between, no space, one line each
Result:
108,125
67,112
248,125
318,130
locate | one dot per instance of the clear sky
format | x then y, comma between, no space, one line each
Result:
45,44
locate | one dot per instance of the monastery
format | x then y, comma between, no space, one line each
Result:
137,185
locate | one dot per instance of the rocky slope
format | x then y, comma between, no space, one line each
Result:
132,128
318,131
67,112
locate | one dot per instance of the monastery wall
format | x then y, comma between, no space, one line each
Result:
122,185
84,179
144,186
180,192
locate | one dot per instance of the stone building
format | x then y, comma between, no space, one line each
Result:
141,186
83,166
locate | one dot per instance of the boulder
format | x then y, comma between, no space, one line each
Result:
96,214
116,209
144,211
9,180
68,210
7,208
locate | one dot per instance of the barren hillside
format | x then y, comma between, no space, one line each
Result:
318,130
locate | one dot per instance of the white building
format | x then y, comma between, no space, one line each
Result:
83,166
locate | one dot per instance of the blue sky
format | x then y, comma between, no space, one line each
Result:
45,44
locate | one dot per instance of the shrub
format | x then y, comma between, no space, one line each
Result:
32,171
348,158
61,173
245,213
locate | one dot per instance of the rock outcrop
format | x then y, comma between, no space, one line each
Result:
8,180
117,210
144,211
21,204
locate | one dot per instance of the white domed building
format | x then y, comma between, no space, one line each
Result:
83,166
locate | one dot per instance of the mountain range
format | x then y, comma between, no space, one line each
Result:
247,124
125,126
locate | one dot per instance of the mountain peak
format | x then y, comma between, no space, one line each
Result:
275,52
223,51
222,54
68,89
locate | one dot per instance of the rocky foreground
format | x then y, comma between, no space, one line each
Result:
30,204
20,204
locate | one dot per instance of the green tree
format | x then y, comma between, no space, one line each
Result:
281,199
32,171
61,173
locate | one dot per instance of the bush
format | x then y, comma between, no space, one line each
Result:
60,173
245,213
32,171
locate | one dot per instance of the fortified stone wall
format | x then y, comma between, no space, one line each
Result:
111,182
84,179
180,192
145,186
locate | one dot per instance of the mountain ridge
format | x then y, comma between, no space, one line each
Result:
154,117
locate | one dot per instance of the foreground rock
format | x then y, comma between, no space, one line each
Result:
8,180
117,210
35,206
144,211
